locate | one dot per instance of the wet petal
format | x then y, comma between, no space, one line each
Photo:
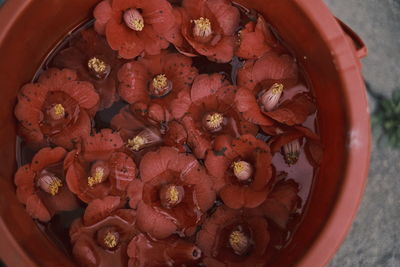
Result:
155,163
133,78
123,170
101,145
134,193
99,209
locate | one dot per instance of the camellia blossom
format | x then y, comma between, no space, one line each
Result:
141,136
56,109
174,193
97,169
209,111
254,40
234,238
208,26
133,26
101,237
242,170
154,81
41,185
172,251
94,61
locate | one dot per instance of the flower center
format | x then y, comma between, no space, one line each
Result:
99,173
214,121
239,242
134,20
136,143
171,195
270,98
202,27
291,152
242,170
57,112
110,240
49,183
98,68
160,86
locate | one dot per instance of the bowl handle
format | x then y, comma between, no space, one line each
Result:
361,48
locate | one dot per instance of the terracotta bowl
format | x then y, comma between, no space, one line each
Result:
328,51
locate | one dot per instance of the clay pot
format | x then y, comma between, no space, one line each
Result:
329,54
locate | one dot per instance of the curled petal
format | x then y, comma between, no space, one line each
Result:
102,14
36,209
47,156
227,15
99,209
133,79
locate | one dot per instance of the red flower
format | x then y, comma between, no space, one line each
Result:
57,109
134,26
176,192
234,238
242,169
255,40
95,62
281,203
172,251
209,111
168,73
208,26
41,185
290,142
141,136
97,170
102,236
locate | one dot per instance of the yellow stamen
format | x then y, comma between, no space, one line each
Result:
137,24
98,177
236,237
215,120
160,81
136,143
238,167
173,194
203,24
110,240
59,110
54,186
96,64
277,88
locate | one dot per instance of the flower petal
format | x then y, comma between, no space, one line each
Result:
101,145
47,156
233,196
102,14
99,209
134,193
180,105
36,209
207,84
155,163
133,78
217,165
24,180
227,15
123,170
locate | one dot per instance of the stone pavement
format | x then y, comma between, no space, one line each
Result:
374,239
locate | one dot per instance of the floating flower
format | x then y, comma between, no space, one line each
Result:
242,170
282,202
102,236
154,81
141,137
41,185
209,111
234,238
208,26
132,27
95,62
255,39
57,109
172,251
97,169
175,193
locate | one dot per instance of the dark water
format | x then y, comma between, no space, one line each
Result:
302,172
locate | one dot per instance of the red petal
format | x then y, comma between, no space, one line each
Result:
217,165
233,196
153,42
180,105
253,199
293,111
134,192
157,113
84,253
120,38
123,170
101,145
179,69
102,14
155,163
222,52
159,14
204,193
99,209
64,200
261,239
36,209
245,75
155,224
126,123
47,156
34,139
70,136
205,85
133,79
176,135
56,78
83,92
198,142
24,180
228,16
314,152
246,103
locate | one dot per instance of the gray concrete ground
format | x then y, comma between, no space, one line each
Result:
375,236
